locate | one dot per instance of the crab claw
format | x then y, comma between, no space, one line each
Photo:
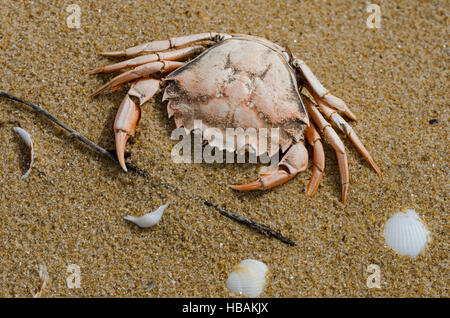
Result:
125,123
121,140
294,161
268,180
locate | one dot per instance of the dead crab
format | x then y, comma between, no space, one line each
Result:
240,81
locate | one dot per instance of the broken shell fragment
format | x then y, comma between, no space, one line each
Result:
43,279
248,278
27,139
405,233
149,219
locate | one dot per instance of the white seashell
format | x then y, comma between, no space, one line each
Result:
248,278
405,233
43,279
27,139
149,219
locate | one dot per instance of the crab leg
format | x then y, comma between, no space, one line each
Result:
313,138
129,113
155,57
294,161
320,92
335,142
332,115
138,72
156,46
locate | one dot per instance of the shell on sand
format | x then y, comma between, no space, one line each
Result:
248,278
27,139
149,219
405,233
43,279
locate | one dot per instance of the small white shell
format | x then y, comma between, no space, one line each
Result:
248,278
43,279
149,219
27,139
405,233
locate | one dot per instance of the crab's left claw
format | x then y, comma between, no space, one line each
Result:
125,126
293,162
129,113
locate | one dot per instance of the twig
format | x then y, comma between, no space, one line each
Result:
261,228
258,227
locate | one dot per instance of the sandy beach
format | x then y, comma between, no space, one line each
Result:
70,209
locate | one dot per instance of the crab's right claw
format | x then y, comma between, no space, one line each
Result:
125,126
268,180
294,161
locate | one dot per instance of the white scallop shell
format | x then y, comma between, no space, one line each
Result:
405,233
248,278
27,139
149,219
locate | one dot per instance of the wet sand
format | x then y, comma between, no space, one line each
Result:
70,209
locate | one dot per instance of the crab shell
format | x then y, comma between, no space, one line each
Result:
240,82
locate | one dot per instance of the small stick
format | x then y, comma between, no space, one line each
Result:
258,227
261,228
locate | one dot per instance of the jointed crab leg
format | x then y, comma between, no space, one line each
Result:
140,60
138,72
321,93
332,115
335,142
129,113
294,161
156,46
313,138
